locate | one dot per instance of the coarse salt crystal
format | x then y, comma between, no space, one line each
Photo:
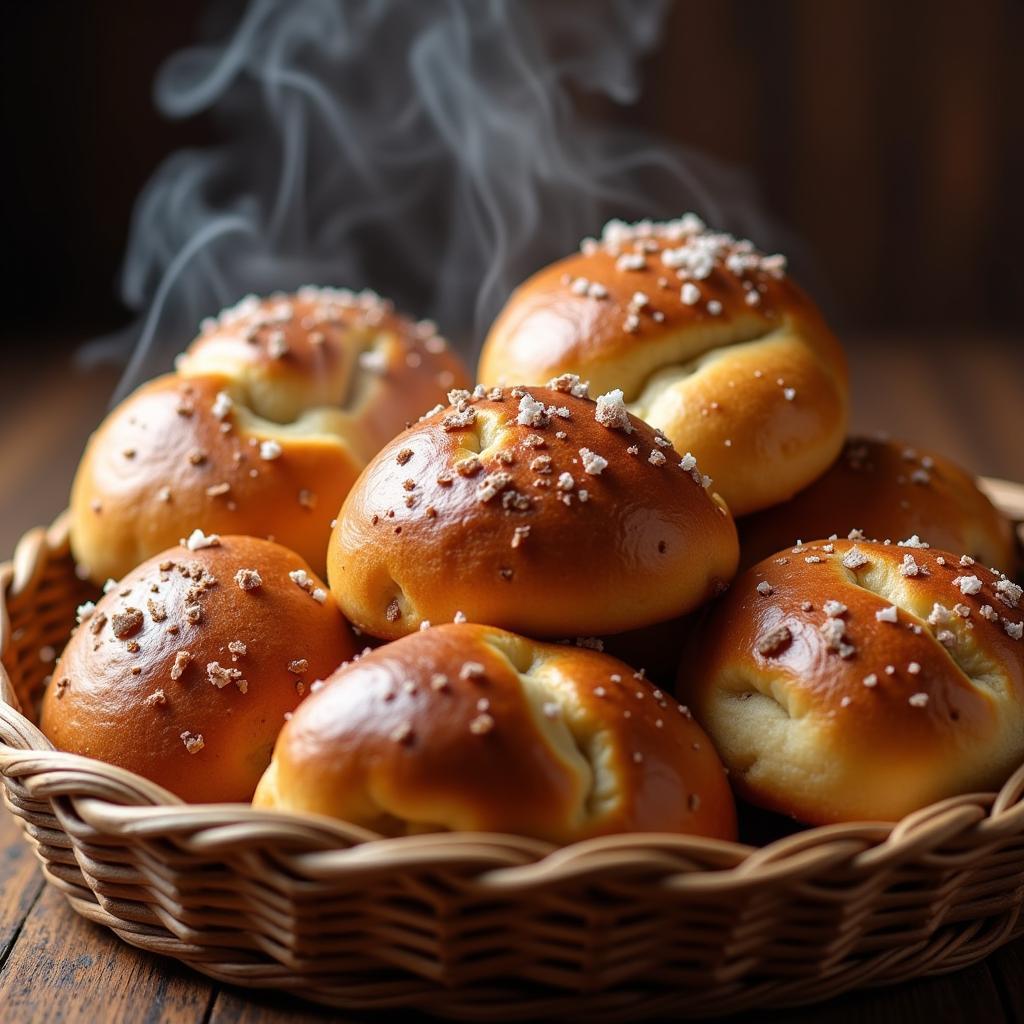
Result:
611,412
593,463
968,584
198,540
270,450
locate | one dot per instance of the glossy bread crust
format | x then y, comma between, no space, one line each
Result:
465,727
847,680
709,341
888,490
487,509
273,411
183,672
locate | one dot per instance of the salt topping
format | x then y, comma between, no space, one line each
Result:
968,584
532,413
305,582
222,405
270,450
248,579
193,742
492,485
570,383
909,567
611,412
1008,592
593,463
690,294
197,540
854,558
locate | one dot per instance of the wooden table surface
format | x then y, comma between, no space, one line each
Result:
959,394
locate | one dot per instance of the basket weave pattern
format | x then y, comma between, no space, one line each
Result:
486,927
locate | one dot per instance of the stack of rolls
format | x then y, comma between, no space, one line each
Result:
632,399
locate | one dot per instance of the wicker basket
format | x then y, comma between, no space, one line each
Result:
491,927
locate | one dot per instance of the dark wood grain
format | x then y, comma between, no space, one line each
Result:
63,968
955,393
20,883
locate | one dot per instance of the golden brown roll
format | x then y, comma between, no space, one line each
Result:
464,727
273,411
708,339
887,490
848,680
535,510
183,672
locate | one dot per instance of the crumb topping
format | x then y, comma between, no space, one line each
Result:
126,623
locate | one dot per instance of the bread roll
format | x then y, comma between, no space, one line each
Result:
887,490
708,339
465,727
534,510
183,672
847,681
273,411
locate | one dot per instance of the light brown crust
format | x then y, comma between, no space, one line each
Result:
150,474
323,377
135,687
470,728
489,519
709,380
831,714
888,490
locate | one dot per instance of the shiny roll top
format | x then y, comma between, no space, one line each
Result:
533,509
708,339
847,680
272,413
184,670
887,490
465,727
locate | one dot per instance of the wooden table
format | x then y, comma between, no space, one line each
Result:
959,394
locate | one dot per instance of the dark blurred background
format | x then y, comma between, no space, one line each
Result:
889,137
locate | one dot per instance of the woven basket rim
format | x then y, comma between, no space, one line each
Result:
125,804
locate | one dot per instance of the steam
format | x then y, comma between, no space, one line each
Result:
433,150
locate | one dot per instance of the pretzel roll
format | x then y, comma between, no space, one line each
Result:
708,339
273,412
887,490
465,727
183,672
847,680
539,511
